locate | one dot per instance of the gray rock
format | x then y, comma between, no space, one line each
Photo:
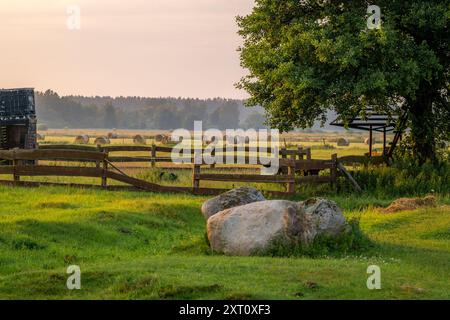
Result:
231,199
326,216
255,227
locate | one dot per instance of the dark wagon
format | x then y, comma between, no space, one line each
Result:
17,119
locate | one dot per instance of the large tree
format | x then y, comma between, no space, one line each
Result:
308,56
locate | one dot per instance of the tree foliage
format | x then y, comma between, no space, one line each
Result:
308,56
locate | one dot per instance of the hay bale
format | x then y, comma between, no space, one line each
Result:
138,139
166,140
404,204
102,141
82,139
113,135
343,142
159,137
367,141
162,138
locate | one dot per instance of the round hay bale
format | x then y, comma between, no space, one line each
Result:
343,142
165,140
159,137
40,137
113,135
102,141
367,141
138,139
83,139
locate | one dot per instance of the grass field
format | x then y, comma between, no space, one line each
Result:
323,144
133,245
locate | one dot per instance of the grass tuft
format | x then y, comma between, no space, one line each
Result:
352,242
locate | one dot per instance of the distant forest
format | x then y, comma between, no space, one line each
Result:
144,113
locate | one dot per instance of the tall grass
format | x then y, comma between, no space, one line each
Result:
405,179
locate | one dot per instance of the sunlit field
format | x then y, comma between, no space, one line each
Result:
132,245
140,245
323,144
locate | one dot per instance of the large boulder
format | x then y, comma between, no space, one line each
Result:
231,199
327,217
255,227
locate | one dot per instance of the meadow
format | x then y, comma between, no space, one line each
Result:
323,146
133,245
140,245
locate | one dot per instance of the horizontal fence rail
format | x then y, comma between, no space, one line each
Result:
66,155
57,171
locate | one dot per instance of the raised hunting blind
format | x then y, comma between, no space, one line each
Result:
17,119
374,121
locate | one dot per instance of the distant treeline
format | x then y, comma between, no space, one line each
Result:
143,113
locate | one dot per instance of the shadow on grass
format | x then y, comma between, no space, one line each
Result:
157,231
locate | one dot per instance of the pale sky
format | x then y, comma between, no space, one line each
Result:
175,48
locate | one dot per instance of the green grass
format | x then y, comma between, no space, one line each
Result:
133,245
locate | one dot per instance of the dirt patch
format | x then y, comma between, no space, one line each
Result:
55,205
128,287
178,292
240,296
412,289
404,204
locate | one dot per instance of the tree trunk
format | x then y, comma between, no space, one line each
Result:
422,129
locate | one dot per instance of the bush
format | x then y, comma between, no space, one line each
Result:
404,150
405,179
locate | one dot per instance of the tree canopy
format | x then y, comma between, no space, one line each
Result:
308,56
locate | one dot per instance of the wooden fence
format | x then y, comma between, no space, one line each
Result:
286,177
296,167
154,153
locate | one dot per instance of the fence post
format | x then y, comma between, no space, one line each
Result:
283,153
105,172
213,154
301,153
334,171
291,173
16,176
153,155
195,177
97,163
